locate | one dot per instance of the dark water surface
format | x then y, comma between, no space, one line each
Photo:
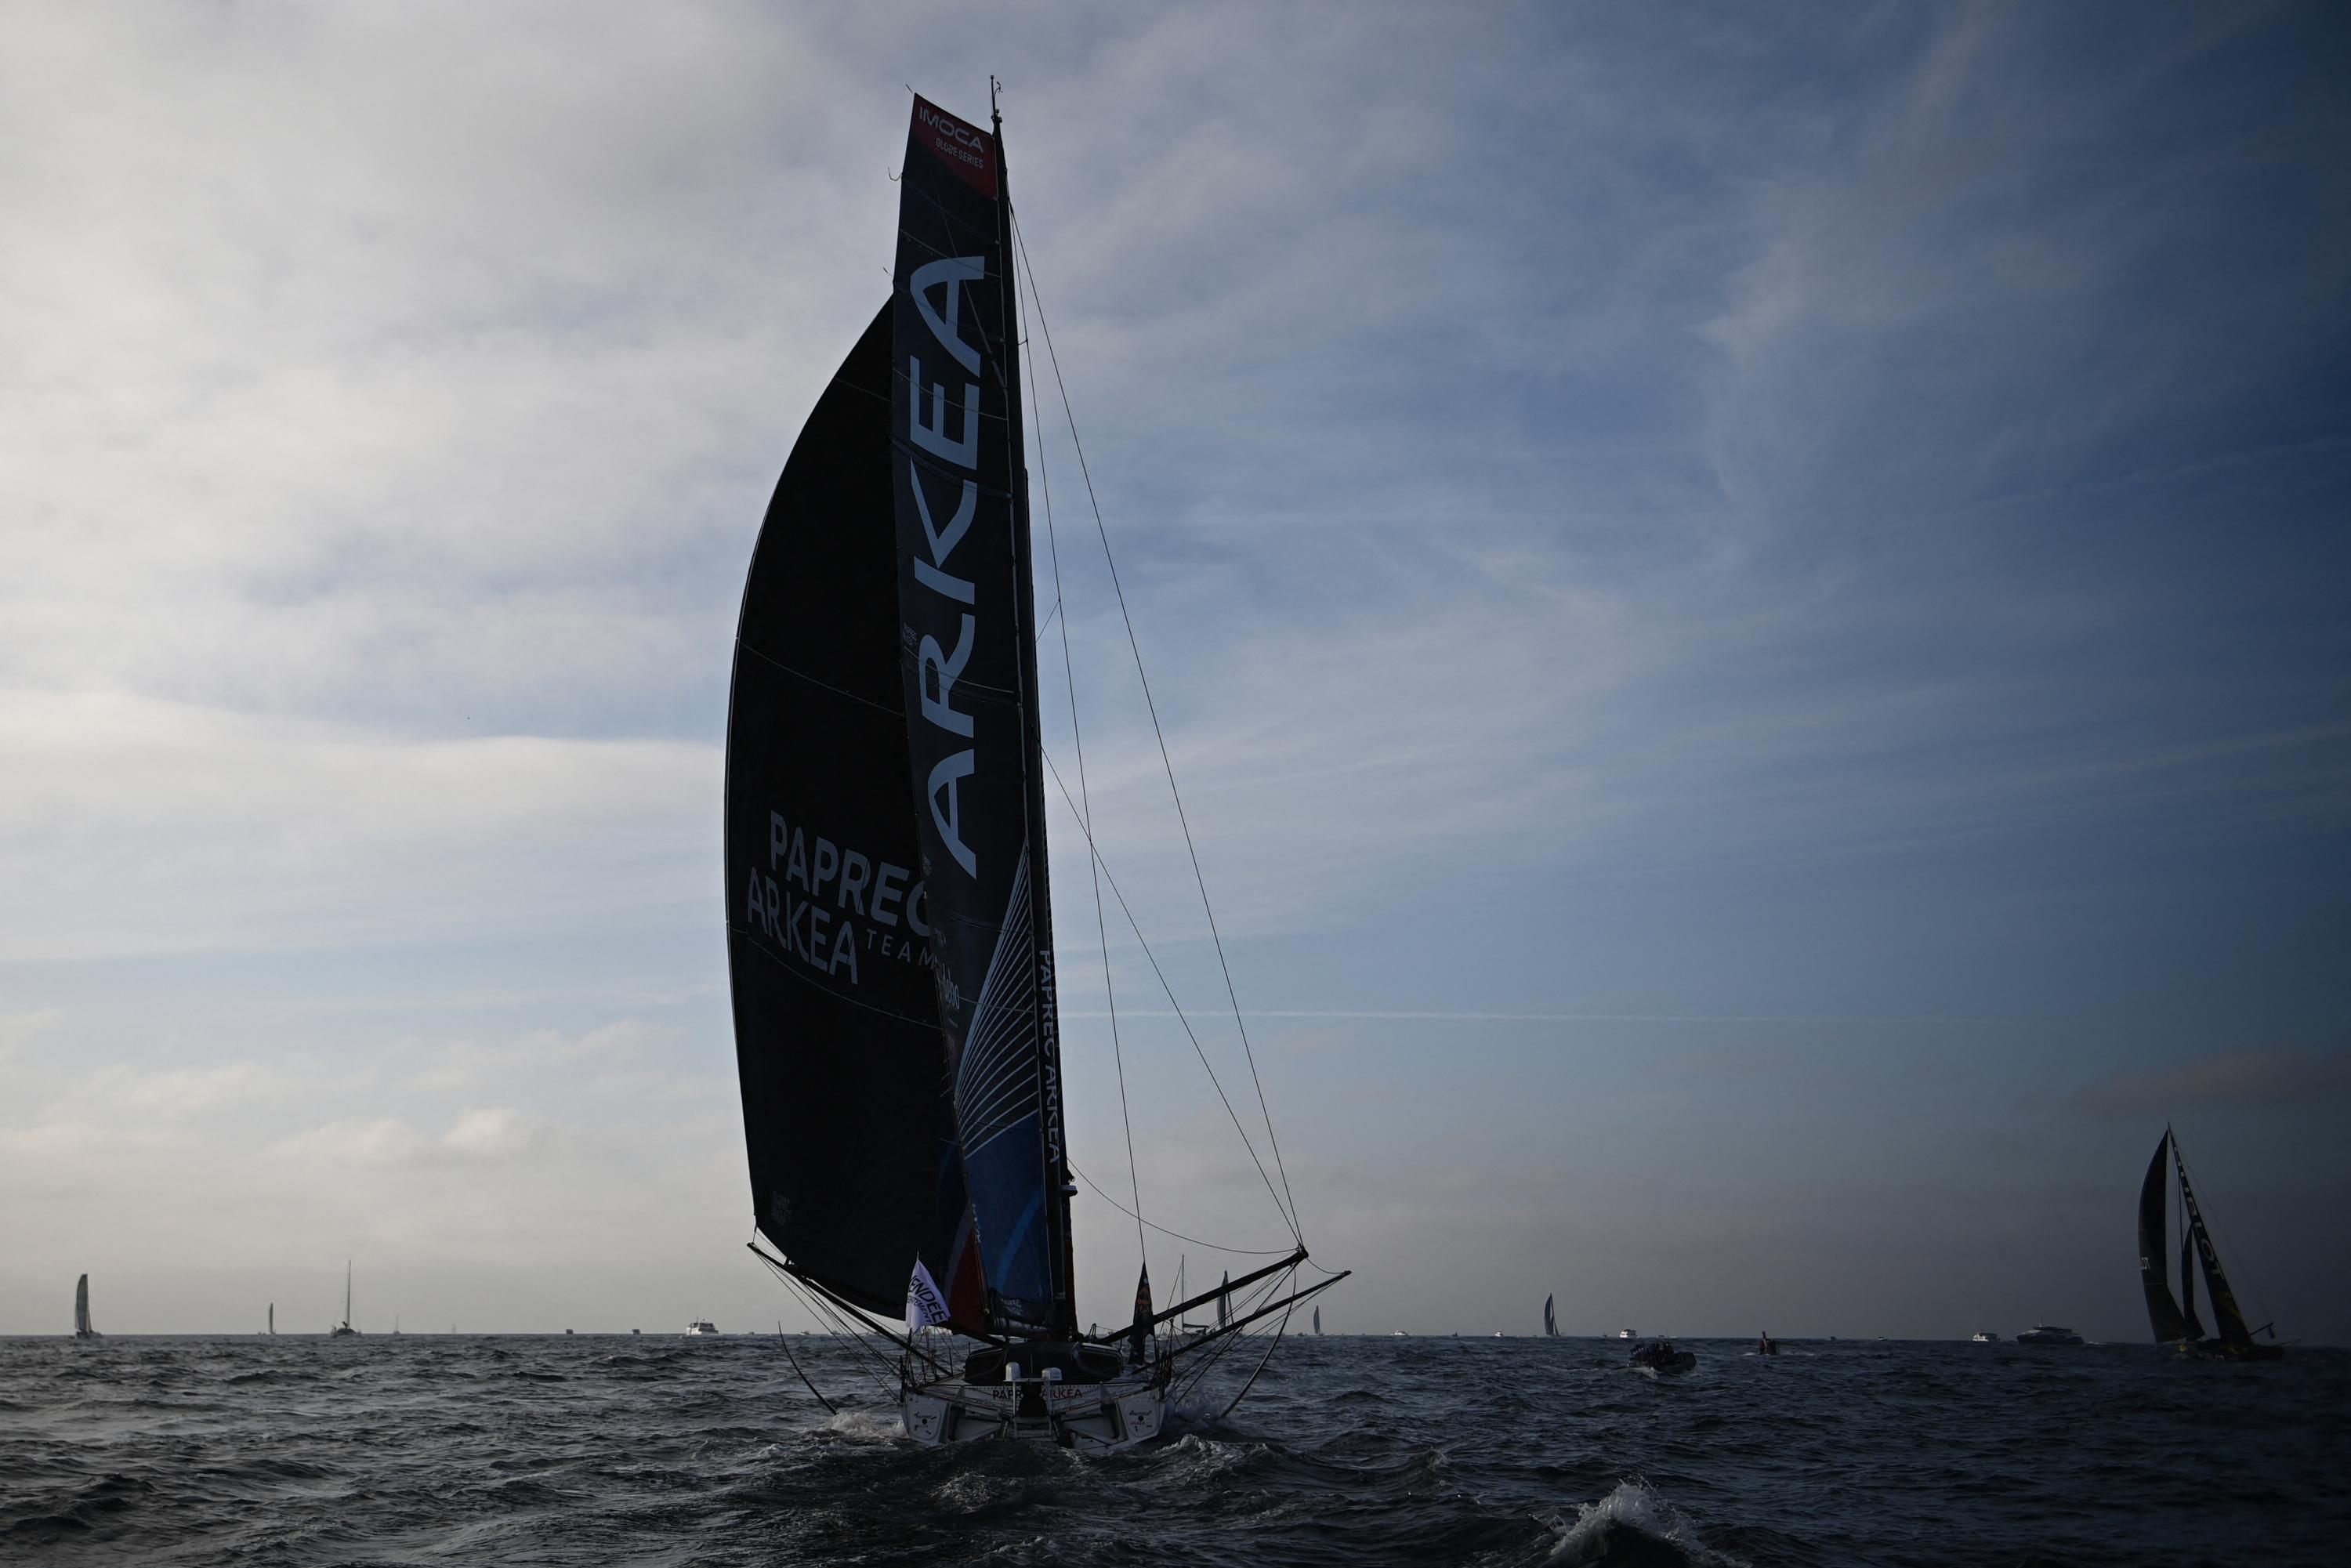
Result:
556,1450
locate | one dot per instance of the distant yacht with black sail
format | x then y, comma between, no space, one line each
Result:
81,1310
2174,1321
890,938
344,1330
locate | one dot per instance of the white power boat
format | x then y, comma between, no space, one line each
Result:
2048,1334
702,1325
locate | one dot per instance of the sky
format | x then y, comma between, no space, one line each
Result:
1748,605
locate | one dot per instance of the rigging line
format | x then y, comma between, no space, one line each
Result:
1102,926
1260,1367
1225,1344
1211,1246
1213,1082
829,1404
838,1329
1135,647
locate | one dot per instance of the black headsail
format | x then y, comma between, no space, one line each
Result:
2163,1313
968,660
2226,1316
846,1114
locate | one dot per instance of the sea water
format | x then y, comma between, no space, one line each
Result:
666,1450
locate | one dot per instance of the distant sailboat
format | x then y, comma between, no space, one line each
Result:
272,1328
1551,1318
81,1310
1318,1320
1224,1295
2175,1321
344,1329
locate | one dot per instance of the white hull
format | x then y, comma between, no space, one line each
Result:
1091,1418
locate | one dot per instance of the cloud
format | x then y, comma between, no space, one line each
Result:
491,1135
2255,1077
378,1142
137,825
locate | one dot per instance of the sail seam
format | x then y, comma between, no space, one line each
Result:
766,658
793,970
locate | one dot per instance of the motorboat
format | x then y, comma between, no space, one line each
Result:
1984,1336
2048,1334
701,1325
1627,1334
1662,1356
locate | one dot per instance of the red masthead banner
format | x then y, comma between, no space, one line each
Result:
962,147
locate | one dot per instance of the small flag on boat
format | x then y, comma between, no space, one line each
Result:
926,1305
1141,1337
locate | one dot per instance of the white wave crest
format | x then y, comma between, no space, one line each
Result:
1595,1534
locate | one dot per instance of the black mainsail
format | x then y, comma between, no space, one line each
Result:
968,662
2170,1320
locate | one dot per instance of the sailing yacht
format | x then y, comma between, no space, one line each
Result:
344,1330
890,932
81,1310
2174,1321
1551,1318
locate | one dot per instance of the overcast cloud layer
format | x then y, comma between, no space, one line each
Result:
1748,608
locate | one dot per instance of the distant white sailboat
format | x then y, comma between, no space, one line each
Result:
272,1328
344,1330
81,1310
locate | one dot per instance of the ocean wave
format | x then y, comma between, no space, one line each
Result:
1632,1527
